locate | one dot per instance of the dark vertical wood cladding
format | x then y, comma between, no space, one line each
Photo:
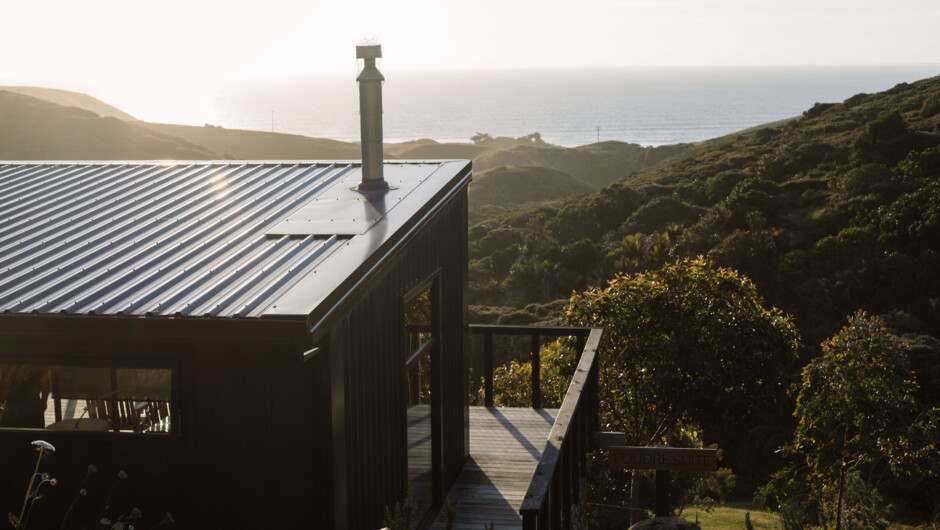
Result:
319,470
240,401
372,333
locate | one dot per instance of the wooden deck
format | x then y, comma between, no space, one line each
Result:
505,446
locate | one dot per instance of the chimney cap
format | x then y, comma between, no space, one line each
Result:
368,49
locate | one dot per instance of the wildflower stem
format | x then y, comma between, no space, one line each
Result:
107,501
68,512
33,501
19,521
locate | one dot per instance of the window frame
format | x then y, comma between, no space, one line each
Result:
75,358
408,360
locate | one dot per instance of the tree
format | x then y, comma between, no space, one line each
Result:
857,406
481,138
686,341
690,355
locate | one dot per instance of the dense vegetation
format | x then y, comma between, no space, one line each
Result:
832,213
827,214
861,428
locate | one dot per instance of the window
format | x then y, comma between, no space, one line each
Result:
420,389
86,398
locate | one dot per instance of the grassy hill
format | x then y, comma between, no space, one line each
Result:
431,150
67,98
495,190
35,129
597,164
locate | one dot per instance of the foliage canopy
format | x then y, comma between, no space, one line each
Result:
687,345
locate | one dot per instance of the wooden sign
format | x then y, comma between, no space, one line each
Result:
666,458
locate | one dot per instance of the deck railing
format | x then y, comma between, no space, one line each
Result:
535,334
555,486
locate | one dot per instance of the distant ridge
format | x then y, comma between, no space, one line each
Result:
240,144
37,129
67,98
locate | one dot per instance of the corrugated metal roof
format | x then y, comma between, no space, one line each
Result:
158,239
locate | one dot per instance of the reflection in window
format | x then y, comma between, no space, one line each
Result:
418,323
81,398
418,320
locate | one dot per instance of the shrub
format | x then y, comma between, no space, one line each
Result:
512,382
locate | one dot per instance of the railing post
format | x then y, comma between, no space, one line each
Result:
555,498
536,371
529,521
565,471
488,368
578,449
662,508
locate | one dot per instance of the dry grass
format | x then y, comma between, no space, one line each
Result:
732,516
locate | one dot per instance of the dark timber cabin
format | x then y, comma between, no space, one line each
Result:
258,345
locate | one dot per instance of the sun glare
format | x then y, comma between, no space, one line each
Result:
164,61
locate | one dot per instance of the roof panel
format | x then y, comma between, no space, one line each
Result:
167,239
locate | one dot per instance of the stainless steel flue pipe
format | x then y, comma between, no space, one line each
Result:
370,118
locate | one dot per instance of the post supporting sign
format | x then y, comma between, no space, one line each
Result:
663,460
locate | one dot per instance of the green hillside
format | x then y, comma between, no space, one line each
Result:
431,150
495,190
35,129
828,213
598,164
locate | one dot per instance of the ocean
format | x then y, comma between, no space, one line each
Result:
568,107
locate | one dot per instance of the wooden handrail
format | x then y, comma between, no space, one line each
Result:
556,482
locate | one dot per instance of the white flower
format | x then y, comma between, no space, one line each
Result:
83,492
105,521
42,444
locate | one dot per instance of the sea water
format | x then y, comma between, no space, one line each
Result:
568,107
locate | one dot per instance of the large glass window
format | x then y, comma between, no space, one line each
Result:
85,398
420,389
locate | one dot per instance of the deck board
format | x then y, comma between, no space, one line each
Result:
505,446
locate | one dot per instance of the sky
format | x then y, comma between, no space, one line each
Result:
117,48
